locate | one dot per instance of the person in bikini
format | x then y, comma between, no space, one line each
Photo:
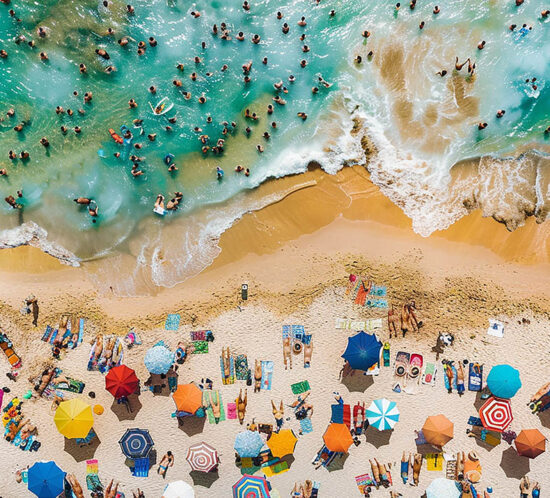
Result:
393,321
287,353
167,461
279,414
257,376
215,405
241,405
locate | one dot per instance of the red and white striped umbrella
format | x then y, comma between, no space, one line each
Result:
496,414
202,457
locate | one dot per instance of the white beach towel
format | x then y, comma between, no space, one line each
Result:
496,328
366,325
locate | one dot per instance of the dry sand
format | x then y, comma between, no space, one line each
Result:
296,256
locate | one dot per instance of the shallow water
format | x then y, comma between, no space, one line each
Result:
421,123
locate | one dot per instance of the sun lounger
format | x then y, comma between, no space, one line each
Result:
347,416
141,467
400,369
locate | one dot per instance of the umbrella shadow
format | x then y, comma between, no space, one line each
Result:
81,452
514,465
544,418
192,425
478,403
358,382
378,438
127,412
338,463
204,479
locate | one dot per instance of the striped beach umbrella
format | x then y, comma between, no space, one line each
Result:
496,414
248,444
178,489
251,487
136,443
159,359
383,414
202,457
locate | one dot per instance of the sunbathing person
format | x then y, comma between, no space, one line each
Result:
241,405
139,494
417,465
226,358
460,379
75,485
279,414
111,492
215,405
393,320
308,351
287,353
167,461
257,376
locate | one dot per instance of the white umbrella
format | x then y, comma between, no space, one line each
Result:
178,489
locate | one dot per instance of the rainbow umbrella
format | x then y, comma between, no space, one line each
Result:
362,351
383,414
251,487
74,418
121,381
46,480
202,457
248,444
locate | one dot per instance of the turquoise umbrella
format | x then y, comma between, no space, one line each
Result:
383,414
503,381
442,488
248,444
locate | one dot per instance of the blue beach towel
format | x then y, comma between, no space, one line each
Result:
306,425
337,413
267,375
172,322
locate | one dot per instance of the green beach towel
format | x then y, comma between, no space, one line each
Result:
300,387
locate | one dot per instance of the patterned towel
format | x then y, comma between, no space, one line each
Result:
198,335
358,325
241,367
199,347
300,387
172,322
267,375
306,425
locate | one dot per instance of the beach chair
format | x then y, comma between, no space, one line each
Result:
141,467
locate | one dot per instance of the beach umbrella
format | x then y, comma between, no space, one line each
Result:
248,444
442,488
362,351
438,430
383,414
121,381
496,414
282,443
251,487
188,398
337,438
202,457
136,443
178,489
503,381
74,418
159,359
46,480
530,443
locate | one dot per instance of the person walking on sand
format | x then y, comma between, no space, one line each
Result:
33,303
167,461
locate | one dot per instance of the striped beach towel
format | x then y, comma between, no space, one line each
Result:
357,325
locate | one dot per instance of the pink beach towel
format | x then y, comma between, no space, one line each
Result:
231,411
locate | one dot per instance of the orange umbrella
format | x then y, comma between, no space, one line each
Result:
530,443
337,438
282,443
438,430
188,398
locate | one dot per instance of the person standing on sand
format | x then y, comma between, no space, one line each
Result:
33,303
405,320
393,320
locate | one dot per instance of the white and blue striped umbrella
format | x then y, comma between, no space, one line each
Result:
383,414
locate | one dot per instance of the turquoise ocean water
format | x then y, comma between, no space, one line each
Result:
421,123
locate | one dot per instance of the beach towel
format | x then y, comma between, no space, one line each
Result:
430,372
378,290
400,369
476,421
209,412
306,426
231,378
347,416
199,347
358,325
172,321
53,336
496,328
267,375
80,331
300,387
231,411
364,481
275,468
376,303
337,413
475,377
241,367
434,461
446,379
46,335
414,372
198,335
72,385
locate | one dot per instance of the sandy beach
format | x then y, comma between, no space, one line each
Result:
297,274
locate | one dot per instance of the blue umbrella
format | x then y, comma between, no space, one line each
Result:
46,480
159,359
363,351
503,381
136,443
248,444
442,488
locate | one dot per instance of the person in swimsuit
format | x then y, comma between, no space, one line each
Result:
257,376
405,320
215,405
308,351
393,320
279,414
241,405
167,461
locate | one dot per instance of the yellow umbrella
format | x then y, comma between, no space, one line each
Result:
74,418
282,443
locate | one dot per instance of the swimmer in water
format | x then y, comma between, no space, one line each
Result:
458,66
